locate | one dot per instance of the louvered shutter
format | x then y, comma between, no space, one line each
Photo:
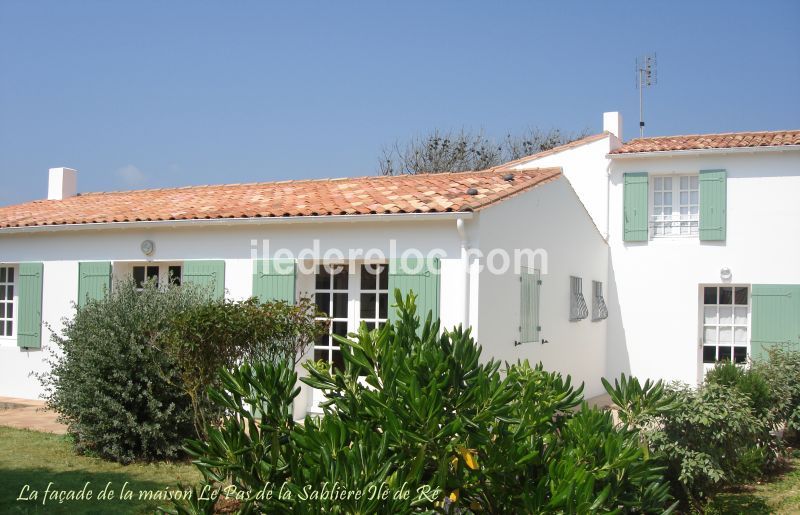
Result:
94,281
420,276
529,305
274,279
775,318
635,204
713,204
29,329
208,274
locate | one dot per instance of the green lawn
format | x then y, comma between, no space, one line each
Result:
779,494
37,459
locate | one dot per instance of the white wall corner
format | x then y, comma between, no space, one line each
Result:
62,183
612,122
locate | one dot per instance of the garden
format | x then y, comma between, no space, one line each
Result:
188,401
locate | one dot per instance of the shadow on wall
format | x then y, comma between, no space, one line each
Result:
617,358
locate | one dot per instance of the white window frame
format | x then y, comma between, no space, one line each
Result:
354,293
11,338
123,270
683,219
713,324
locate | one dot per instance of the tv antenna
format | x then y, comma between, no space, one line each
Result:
645,77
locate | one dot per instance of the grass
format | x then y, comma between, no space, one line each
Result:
37,459
778,494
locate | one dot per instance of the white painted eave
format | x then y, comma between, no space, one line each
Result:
704,152
254,221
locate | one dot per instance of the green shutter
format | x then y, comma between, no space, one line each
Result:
529,305
29,330
208,274
713,204
274,279
420,276
635,213
94,281
775,318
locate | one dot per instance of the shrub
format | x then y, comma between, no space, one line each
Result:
782,374
752,383
206,337
707,437
419,408
107,378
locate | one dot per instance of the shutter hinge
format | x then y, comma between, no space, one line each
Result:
538,328
539,281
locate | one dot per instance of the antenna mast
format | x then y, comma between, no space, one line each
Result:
645,77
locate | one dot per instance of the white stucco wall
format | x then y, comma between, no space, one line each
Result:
61,251
550,218
654,327
585,167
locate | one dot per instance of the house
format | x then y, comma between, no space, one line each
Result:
703,234
656,257
480,249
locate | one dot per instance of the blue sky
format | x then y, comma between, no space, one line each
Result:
156,94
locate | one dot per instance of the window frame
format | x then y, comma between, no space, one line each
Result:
578,309
14,303
354,292
732,325
123,270
675,221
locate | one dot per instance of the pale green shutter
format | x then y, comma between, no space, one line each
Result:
421,277
775,318
274,279
29,330
208,274
529,305
713,204
94,281
635,213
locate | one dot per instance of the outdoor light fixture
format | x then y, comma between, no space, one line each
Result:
725,273
148,247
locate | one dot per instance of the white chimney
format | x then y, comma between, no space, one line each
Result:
63,183
612,122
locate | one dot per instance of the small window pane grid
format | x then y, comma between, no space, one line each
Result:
577,304
7,278
331,296
374,296
676,206
725,323
599,309
142,274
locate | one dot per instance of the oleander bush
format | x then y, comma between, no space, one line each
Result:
782,373
418,411
107,379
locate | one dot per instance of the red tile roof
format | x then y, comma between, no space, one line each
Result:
711,141
429,193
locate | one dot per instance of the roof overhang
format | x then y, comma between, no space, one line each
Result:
704,152
243,222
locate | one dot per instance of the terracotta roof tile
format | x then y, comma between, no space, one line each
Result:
711,141
428,193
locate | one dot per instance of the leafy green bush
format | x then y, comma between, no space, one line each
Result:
415,409
782,373
206,337
751,382
707,437
107,379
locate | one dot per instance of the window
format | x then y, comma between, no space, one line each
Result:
676,206
157,273
599,309
347,298
577,304
7,301
725,328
